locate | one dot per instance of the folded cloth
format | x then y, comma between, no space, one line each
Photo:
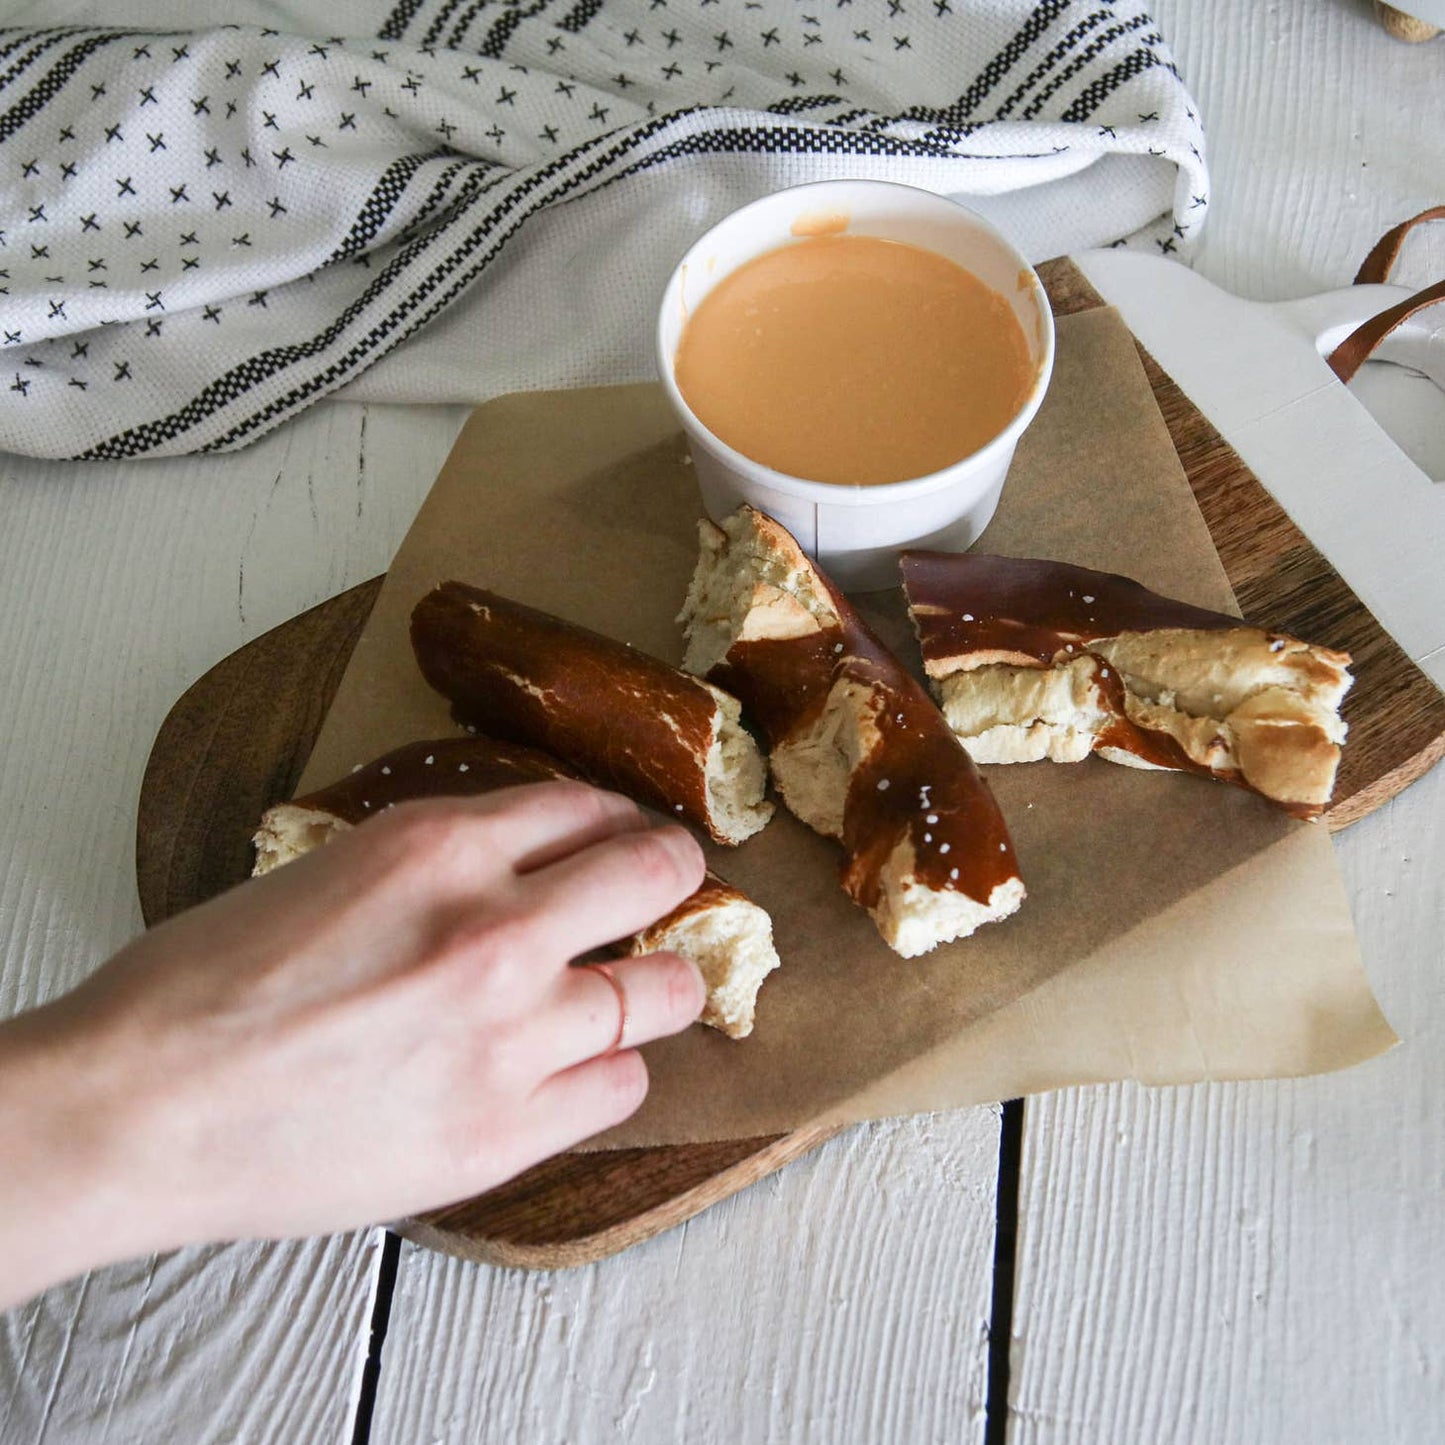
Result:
205,231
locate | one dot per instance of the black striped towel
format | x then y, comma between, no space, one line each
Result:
202,232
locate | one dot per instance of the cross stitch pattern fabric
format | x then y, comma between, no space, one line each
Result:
204,231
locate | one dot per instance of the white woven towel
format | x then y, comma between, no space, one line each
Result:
203,232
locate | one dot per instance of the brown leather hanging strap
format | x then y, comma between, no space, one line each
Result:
1377,264
1357,348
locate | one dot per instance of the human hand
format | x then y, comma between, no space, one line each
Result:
385,1025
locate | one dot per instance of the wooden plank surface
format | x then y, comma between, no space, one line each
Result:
1260,1262
238,1342
844,1299
1314,143
118,584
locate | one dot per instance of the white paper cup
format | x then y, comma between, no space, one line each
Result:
856,532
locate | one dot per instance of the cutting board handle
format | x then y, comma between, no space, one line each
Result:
1373,321
1331,317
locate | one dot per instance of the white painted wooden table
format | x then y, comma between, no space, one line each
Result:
1223,1263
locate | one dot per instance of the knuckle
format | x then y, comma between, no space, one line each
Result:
660,859
424,834
502,801
585,798
498,943
596,811
580,799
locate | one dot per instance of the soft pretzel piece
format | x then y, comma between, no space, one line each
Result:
730,938
719,928
440,768
1036,659
857,749
622,718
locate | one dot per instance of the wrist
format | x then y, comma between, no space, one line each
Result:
65,1201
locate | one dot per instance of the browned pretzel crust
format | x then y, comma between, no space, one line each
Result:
624,719
440,768
1037,659
858,750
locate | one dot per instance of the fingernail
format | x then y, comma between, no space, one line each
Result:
701,987
699,984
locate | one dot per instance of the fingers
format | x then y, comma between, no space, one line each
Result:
569,817
610,890
601,1008
474,842
583,1101
574,1056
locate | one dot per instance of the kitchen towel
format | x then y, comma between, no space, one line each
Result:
205,230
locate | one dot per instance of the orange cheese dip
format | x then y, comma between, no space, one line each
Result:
854,360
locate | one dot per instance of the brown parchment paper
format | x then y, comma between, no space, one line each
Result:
1175,929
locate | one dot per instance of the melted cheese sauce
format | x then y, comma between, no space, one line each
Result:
854,360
